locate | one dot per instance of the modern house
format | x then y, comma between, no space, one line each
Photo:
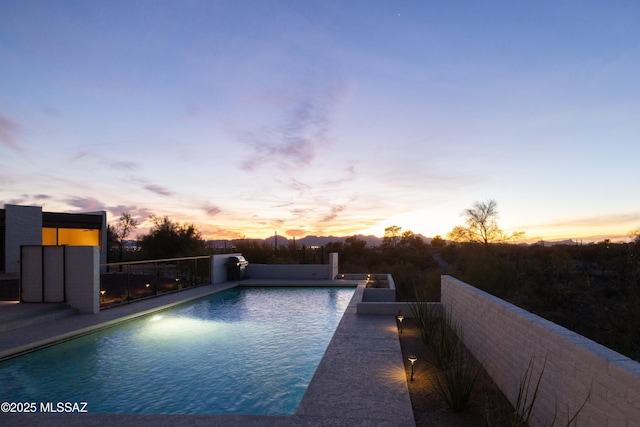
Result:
29,225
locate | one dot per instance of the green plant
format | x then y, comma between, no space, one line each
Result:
495,410
524,404
426,319
458,381
446,346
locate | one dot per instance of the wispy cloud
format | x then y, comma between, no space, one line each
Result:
14,201
335,209
333,213
86,204
122,165
349,174
211,210
596,221
162,191
293,184
306,125
26,199
8,133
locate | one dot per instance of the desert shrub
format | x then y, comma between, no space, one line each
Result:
426,319
446,343
458,380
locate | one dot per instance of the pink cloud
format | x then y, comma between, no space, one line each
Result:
86,204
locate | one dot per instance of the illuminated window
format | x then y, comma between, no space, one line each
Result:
70,236
50,236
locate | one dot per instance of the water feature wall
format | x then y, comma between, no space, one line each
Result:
506,338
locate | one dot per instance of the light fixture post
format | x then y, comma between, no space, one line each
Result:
400,318
412,359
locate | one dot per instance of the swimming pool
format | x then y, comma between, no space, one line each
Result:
250,351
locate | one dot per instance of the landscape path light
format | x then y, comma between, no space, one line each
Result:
412,359
400,318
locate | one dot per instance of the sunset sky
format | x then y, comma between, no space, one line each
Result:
325,117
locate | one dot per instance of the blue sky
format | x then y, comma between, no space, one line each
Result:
325,117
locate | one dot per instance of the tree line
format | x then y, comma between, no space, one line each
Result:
592,289
165,239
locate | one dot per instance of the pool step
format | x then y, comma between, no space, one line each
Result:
18,315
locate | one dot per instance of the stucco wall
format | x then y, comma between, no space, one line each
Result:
219,267
69,274
506,338
83,278
289,271
23,227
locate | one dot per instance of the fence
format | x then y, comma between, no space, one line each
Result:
123,282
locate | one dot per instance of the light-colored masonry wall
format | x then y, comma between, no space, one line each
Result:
505,338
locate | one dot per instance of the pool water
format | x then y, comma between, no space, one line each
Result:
249,351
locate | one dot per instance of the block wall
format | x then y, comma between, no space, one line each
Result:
506,338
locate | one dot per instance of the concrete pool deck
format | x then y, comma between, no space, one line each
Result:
360,380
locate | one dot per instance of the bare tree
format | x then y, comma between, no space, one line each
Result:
391,236
481,225
125,225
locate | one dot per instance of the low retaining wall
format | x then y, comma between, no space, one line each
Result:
506,338
393,308
290,272
380,294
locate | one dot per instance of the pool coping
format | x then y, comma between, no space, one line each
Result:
360,380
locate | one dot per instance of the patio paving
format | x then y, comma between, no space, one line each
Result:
360,380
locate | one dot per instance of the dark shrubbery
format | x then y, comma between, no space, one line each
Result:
591,289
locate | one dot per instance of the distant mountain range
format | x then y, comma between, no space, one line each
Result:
307,241
568,242
372,241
